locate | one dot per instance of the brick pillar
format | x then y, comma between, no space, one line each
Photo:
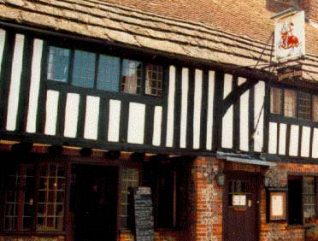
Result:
208,200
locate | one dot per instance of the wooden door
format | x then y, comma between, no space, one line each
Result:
94,203
241,207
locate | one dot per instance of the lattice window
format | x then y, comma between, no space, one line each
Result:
276,101
51,198
84,69
34,196
58,64
309,198
108,73
290,100
129,179
315,108
131,76
154,76
304,105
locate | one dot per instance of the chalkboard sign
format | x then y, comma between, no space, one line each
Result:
144,224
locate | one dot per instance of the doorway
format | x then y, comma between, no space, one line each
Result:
94,202
241,206
295,200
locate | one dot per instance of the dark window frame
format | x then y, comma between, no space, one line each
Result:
98,55
297,116
34,229
300,178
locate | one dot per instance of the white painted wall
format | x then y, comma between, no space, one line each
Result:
210,112
91,117
294,140
184,106
52,99
156,138
272,140
35,85
197,108
71,115
14,91
136,123
171,108
227,122
114,120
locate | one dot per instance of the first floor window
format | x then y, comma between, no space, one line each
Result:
131,76
304,106
108,73
290,99
34,198
154,78
276,100
58,64
84,69
315,108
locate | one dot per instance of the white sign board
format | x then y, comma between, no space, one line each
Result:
277,205
289,38
239,200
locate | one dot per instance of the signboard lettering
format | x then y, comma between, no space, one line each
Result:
143,211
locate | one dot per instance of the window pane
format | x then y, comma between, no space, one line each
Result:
58,64
19,199
108,73
131,77
315,108
130,179
83,69
154,74
304,105
290,103
276,100
309,198
51,198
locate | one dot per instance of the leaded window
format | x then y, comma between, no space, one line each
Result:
315,108
108,73
304,105
104,72
58,64
84,69
34,198
309,198
131,77
129,180
154,76
276,101
290,99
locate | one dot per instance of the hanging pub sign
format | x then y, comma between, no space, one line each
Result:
289,37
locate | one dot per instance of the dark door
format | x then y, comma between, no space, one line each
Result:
93,199
241,207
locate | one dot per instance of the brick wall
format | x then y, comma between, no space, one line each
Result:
280,231
205,202
209,200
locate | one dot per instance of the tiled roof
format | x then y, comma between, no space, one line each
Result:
226,32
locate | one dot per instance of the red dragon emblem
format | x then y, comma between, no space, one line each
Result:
287,38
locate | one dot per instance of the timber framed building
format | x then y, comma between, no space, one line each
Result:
100,96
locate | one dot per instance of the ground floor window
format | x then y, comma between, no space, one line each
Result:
169,184
302,199
34,197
